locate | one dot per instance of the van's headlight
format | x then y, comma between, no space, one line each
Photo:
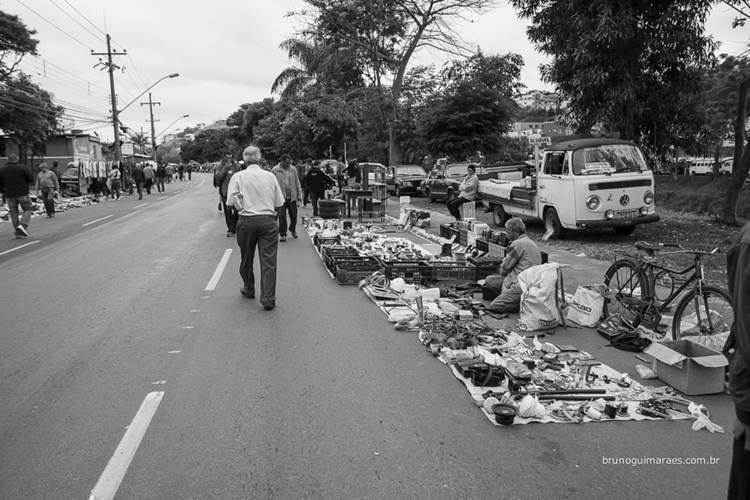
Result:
593,202
648,197
609,214
644,210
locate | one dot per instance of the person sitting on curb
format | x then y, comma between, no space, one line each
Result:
522,254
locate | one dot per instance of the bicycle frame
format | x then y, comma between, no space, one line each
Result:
650,267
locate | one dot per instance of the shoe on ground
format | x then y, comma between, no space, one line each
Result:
22,230
282,238
294,235
246,293
269,307
229,234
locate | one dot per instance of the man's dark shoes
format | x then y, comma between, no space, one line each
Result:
282,238
246,293
269,307
294,235
21,231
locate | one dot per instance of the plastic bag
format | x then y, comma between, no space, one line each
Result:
586,307
540,303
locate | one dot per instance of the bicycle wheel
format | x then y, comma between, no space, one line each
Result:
710,314
625,282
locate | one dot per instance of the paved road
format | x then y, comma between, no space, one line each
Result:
319,398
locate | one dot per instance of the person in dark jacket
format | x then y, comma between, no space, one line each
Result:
222,175
161,176
738,277
15,180
317,182
139,178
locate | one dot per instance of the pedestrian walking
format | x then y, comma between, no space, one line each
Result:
738,350
161,176
181,171
302,169
222,176
47,187
317,182
292,189
115,179
256,195
139,178
189,170
150,174
14,185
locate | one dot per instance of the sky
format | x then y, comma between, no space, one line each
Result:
226,52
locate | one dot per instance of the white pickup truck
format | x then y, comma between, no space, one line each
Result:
579,184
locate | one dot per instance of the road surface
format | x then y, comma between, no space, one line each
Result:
120,372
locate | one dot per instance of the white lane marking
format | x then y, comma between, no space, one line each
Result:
188,327
98,220
218,272
110,480
159,382
174,352
19,247
139,206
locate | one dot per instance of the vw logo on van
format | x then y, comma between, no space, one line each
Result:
624,200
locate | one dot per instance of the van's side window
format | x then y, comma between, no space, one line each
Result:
553,164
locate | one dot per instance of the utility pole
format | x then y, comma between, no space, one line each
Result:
111,67
151,104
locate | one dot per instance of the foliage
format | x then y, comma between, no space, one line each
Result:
635,66
16,40
27,114
210,145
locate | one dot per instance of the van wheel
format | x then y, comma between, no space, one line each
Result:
552,226
499,216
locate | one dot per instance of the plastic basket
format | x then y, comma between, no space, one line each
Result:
332,252
351,270
453,271
320,241
412,271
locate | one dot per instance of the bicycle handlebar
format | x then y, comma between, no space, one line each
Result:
652,248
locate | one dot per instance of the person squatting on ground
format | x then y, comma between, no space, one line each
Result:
139,178
47,188
150,175
738,351
114,182
292,189
256,195
317,182
522,254
467,191
14,185
222,176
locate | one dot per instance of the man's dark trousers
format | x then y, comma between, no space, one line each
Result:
24,203
49,201
149,183
454,205
291,208
314,199
160,184
261,231
139,189
230,216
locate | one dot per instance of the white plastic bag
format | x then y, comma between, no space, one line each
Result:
540,305
586,307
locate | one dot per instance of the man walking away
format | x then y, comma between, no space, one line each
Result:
140,179
292,189
189,169
14,185
317,182
256,194
150,175
181,171
738,276
161,175
114,179
47,188
468,190
222,176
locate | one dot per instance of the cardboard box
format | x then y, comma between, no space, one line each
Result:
689,367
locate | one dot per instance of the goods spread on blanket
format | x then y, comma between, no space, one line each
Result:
61,205
513,380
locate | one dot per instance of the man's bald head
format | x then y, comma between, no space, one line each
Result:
251,154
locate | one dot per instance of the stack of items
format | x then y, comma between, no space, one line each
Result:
61,205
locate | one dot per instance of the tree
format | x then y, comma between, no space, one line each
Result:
476,107
16,41
742,8
27,114
140,140
248,116
635,66
209,146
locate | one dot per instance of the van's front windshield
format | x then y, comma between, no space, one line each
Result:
608,159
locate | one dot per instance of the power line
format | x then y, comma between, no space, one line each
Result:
86,18
58,28
79,23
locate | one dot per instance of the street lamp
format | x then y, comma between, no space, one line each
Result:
170,125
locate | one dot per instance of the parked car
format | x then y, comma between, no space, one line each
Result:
442,182
726,166
701,166
405,179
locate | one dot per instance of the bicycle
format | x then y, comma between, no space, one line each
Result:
635,284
